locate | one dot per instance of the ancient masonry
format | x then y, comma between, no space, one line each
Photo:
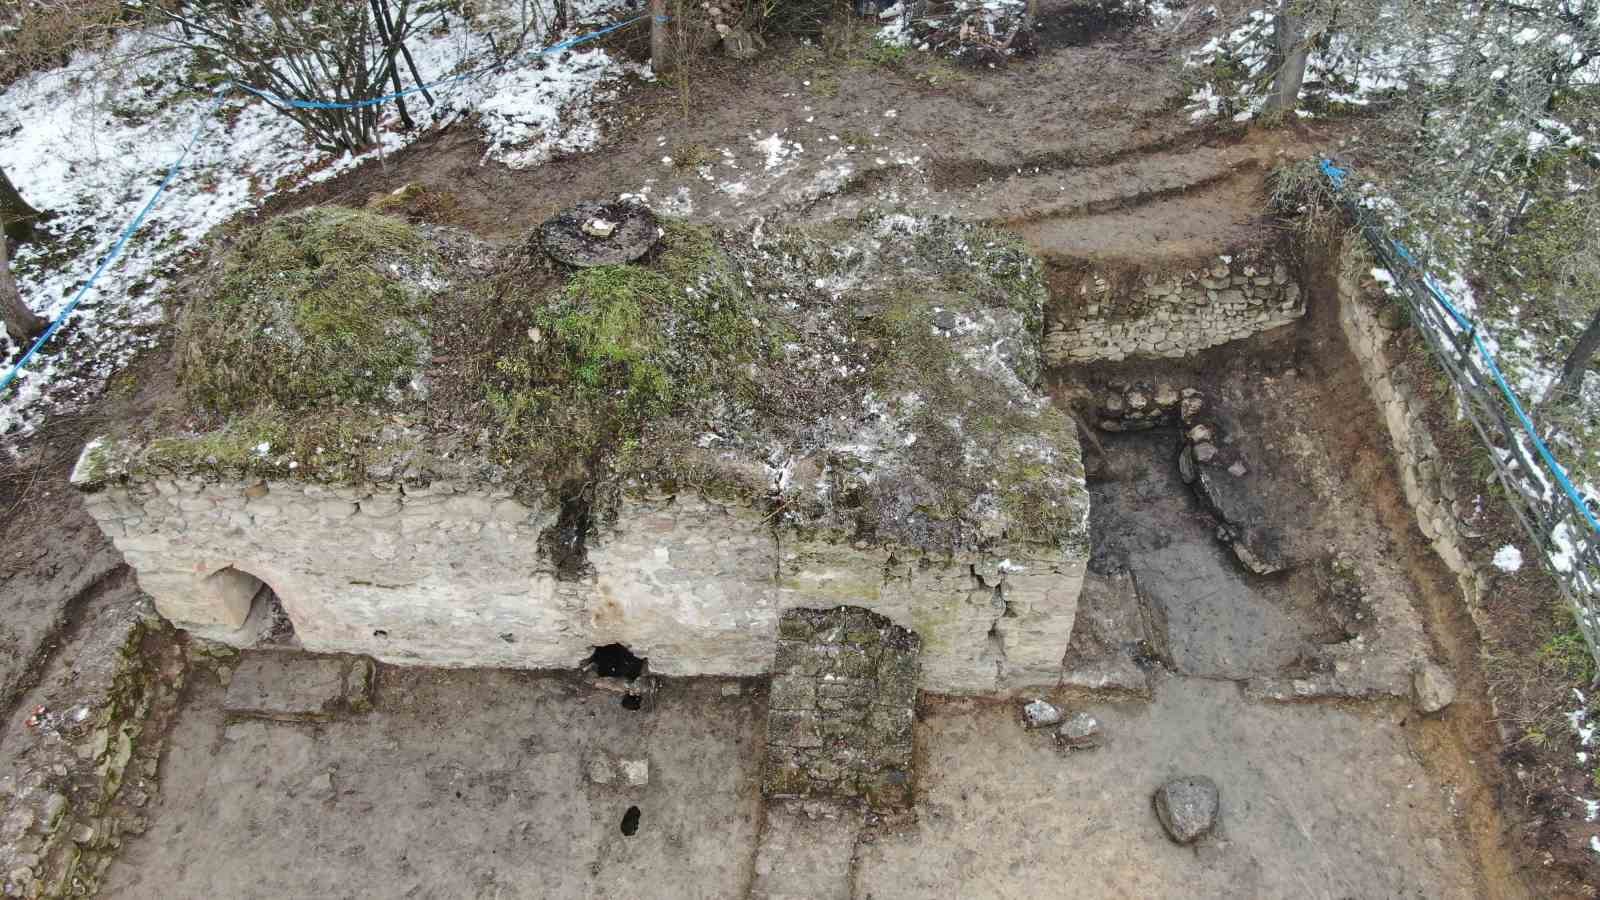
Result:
843,701
1112,316
905,493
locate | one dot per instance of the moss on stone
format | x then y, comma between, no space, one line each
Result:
592,362
324,306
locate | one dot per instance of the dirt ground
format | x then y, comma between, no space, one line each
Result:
472,783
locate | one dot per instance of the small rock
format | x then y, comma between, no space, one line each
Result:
1201,433
1434,688
1238,470
1081,732
22,877
598,227
1186,465
1205,451
1038,714
1191,407
82,834
732,689
1187,807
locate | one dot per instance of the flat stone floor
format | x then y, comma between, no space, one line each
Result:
472,784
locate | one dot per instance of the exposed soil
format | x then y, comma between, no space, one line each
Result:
457,784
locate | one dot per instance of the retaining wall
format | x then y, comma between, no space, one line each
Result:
1430,494
1105,315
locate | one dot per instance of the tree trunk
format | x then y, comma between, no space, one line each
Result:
1289,53
660,38
1567,387
16,215
22,324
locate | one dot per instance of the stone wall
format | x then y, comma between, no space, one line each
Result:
1428,491
453,575
1114,315
843,702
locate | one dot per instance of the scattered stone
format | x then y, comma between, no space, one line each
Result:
1080,732
1238,470
1205,451
732,689
82,834
1187,807
290,687
1039,714
1201,432
1434,687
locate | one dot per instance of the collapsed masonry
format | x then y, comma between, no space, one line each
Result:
431,453
841,710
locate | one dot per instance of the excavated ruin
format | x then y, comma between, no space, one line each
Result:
431,454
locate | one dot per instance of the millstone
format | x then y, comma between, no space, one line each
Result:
600,234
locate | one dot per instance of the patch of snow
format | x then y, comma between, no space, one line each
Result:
89,142
1508,559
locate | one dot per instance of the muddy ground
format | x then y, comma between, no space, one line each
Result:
472,784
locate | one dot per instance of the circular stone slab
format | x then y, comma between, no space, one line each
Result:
600,234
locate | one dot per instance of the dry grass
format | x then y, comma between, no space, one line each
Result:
43,34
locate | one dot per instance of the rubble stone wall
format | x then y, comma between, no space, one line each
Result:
1113,315
842,707
452,575
1430,494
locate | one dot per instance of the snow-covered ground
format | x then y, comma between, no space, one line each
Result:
91,141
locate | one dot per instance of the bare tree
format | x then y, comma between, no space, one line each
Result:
1290,52
291,50
16,214
22,323
1569,385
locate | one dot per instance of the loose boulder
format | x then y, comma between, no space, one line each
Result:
1080,731
1039,714
1187,807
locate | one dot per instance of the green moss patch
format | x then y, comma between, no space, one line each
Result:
581,370
323,306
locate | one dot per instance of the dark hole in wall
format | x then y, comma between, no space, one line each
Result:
277,630
616,661
633,701
630,821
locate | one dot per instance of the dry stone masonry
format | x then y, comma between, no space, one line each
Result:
844,694
1115,315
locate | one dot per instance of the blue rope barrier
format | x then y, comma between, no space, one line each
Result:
1336,176
217,97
